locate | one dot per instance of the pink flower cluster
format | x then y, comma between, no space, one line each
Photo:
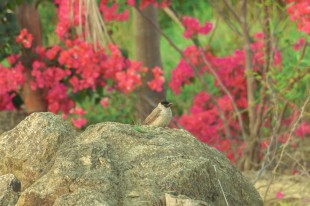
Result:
109,13
146,3
303,130
299,11
157,83
60,71
11,80
78,67
183,72
78,121
192,27
25,38
65,20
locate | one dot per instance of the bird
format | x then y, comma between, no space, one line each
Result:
160,116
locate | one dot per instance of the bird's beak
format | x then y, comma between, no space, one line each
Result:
170,104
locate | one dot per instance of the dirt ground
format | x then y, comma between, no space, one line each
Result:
284,190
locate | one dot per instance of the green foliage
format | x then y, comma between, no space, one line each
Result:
120,108
48,18
8,29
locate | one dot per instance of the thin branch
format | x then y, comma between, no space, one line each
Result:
294,127
248,70
274,131
225,18
232,10
292,131
267,63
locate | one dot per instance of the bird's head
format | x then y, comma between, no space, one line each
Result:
165,103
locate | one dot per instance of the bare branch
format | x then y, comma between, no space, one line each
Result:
274,131
232,10
293,129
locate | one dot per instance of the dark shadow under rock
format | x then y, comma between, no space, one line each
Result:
9,119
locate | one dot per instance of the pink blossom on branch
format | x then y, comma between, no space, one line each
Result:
157,83
193,27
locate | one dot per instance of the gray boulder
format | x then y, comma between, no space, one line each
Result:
119,164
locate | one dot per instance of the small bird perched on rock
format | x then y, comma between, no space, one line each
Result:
160,116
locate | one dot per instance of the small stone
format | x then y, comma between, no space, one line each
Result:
133,194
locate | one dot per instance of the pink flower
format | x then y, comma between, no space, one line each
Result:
279,195
51,53
192,27
131,2
110,14
79,122
157,83
77,110
303,130
300,43
104,102
12,58
63,115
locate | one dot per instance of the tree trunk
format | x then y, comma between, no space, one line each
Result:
28,17
147,50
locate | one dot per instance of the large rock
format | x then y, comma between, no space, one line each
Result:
119,164
28,150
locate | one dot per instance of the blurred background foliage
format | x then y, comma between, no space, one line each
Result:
222,41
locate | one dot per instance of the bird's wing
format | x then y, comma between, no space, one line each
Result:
154,114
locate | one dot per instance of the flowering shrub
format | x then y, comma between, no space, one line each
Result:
63,72
203,119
